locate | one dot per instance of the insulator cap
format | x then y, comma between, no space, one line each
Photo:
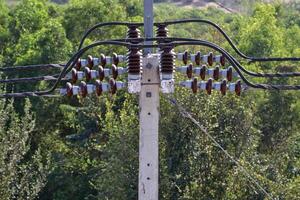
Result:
74,75
115,59
238,88
78,64
198,58
229,74
223,60
113,86
133,32
223,87
203,72
134,61
88,74
83,89
194,85
90,62
216,73
167,60
114,70
99,88
210,59
185,56
101,73
162,31
209,85
189,71
103,60
69,87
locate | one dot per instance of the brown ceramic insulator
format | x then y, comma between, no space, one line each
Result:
167,60
185,57
115,59
88,75
90,62
209,84
134,61
133,32
216,74
83,89
103,60
114,70
223,60
203,72
69,88
74,75
189,71
229,74
78,64
210,59
99,88
101,73
198,58
238,88
194,85
223,87
113,86
162,31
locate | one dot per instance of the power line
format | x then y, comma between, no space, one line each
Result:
186,114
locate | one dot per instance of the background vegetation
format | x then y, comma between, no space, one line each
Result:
88,148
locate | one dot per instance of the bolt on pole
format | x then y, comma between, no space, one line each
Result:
149,116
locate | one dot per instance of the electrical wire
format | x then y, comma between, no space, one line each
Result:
251,73
232,62
71,63
252,59
100,25
188,115
30,67
139,40
32,79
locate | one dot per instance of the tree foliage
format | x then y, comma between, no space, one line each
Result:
88,148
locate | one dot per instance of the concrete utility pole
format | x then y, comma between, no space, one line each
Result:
149,117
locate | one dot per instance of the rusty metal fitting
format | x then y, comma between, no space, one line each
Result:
78,64
223,60
69,89
103,60
209,85
198,58
210,59
115,59
74,75
189,71
194,85
216,73
114,71
238,88
101,73
203,72
88,75
223,88
113,86
90,61
83,89
185,57
229,74
99,88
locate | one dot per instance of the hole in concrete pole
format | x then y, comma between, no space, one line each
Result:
148,178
